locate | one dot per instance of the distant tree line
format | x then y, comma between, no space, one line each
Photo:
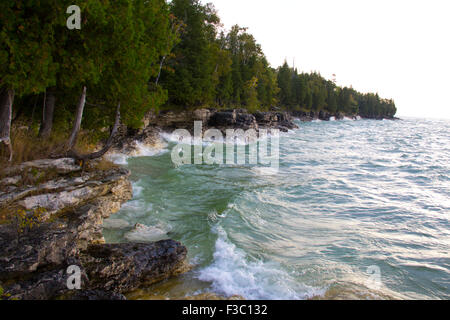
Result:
212,68
144,55
312,92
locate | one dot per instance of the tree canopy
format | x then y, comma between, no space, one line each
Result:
145,55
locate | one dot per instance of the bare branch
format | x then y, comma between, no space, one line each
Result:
73,154
77,123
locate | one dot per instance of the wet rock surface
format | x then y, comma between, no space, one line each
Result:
278,120
125,267
95,295
170,120
128,141
72,205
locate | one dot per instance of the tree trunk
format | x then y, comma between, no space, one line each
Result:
77,122
160,69
6,102
165,56
47,114
72,153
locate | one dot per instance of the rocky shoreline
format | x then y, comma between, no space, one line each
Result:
59,211
168,121
72,205
241,119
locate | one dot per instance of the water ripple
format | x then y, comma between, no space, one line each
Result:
349,195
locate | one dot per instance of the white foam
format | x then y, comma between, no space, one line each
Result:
115,224
118,158
137,208
141,150
231,273
150,151
137,189
143,233
266,171
175,138
333,119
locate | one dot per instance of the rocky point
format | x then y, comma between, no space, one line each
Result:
68,207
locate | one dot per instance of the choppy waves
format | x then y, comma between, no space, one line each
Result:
232,273
141,150
349,196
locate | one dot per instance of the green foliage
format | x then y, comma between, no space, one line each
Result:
372,106
216,68
26,37
3,295
285,84
251,94
134,37
312,92
116,54
147,55
27,220
190,76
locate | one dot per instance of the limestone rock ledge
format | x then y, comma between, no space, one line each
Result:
34,262
222,120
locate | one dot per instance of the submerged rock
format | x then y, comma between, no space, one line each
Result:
115,224
143,233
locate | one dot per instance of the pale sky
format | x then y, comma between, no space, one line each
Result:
398,48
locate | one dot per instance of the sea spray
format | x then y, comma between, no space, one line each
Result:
349,195
233,273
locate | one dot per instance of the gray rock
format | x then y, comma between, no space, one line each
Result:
127,266
95,295
33,263
57,201
61,166
223,119
202,115
46,246
276,120
10,181
40,286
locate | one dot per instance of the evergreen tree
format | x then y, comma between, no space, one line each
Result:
26,63
285,84
191,84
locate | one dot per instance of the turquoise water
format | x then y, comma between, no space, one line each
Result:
350,197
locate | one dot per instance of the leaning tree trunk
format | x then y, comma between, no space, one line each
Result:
85,157
6,102
47,114
77,122
160,69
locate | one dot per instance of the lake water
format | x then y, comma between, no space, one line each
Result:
358,209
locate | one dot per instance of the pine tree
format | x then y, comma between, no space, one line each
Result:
191,83
26,64
285,84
